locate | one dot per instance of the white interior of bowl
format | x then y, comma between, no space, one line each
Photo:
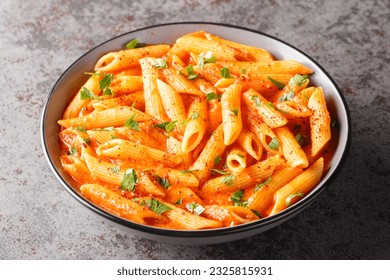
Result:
73,78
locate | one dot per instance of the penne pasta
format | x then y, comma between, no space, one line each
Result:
231,114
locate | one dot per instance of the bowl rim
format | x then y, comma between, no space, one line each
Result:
279,217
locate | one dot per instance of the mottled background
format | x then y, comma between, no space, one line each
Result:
40,39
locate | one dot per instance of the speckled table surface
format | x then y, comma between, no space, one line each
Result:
40,39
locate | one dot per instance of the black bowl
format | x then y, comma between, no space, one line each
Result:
72,79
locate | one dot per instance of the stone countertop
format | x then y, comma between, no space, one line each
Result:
40,39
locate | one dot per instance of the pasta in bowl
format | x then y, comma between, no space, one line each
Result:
200,136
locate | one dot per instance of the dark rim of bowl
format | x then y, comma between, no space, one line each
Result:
206,232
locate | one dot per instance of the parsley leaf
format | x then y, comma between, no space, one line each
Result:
168,126
206,58
301,139
129,180
106,81
155,205
278,84
195,208
133,124
160,64
86,94
237,196
132,44
212,95
299,80
73,151
195,115
217,160
225,73
256,213
190,72
81,128
86,140
163,182
259,186
291,196
115,169
235,111
257,100
274,144
179,201
228,180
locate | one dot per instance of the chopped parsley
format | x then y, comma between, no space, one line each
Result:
80,128
286,96
129,180
167,126
259,186
256,213
115,169
225,73
73,151
190,72
86,140
155,205
206,58
270,104
237,196
274,144
133,124
299,80
132,44
291,196
257,100
86,94
105,83
212,96
113,136
160,64
301,139
217,160
163,182
195,208
235,111
228,180
195,115
278,84
179,201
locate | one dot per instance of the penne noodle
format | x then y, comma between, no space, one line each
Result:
319,122
298,187
236,160
231,114
116,61
250,143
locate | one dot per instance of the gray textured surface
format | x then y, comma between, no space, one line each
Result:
40,39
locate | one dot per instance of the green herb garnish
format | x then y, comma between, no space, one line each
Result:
259,186
299,80
133,124
217,160
286,96
179,201
195,208
86,94
115,169
160,64
168,126
80,128
278,84
235,111
129,180
274,144
163,182
212,96
132,44
155,205
190,72
225,73
228,180
291,196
